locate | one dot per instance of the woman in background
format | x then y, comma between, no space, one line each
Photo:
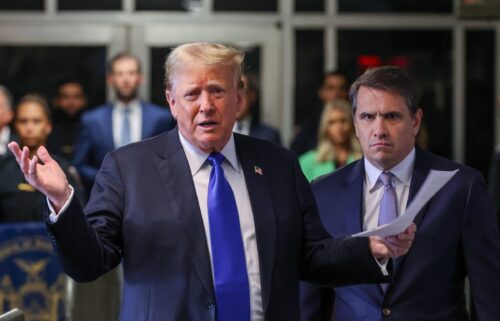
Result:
337,143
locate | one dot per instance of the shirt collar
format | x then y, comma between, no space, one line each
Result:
401,171
133,105
197,158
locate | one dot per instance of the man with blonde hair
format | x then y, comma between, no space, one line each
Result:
210,225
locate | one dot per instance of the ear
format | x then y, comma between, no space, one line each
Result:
171,102
109,79
417,121
355,125
239,99
48,129
9,116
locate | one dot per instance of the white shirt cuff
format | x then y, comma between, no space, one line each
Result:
383,266
53,216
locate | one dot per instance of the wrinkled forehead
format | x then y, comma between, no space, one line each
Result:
193,72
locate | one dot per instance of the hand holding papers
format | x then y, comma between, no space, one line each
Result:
434,181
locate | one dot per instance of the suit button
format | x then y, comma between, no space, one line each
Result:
209,304
386,312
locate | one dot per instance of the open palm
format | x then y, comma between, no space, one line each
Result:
46,176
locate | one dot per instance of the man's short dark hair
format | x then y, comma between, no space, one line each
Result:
69,80
122,55
390,79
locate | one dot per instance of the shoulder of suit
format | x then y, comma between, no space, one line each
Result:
336,176
262,145
440,163
96,112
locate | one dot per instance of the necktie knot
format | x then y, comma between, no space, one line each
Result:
386,179
215,159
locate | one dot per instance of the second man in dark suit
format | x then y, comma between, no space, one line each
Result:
458,236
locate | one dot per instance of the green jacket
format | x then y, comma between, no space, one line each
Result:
313,169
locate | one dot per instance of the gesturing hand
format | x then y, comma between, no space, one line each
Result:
47,177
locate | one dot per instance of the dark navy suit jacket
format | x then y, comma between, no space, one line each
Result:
262,131
96,136
144,209
457,236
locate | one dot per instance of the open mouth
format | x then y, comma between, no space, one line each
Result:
206,124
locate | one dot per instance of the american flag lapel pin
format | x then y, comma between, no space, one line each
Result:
258,170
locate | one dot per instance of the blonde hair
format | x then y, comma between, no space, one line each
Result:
204,53
325,149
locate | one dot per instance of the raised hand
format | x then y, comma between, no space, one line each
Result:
393,246
46,176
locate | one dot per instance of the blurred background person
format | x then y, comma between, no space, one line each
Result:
68,105
335,85
248,118
126,120
337,143
19,201
6,115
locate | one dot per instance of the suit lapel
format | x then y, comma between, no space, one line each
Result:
176,176
264,217
353,199
420,171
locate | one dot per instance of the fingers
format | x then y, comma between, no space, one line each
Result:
14,148
43,154
409,233
24,164
32,166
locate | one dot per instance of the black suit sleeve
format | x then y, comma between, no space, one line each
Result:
90,244
332,261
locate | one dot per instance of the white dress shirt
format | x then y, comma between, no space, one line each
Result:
373,189
200,170
4,139
135,118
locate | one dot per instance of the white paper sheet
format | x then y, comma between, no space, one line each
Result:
434,181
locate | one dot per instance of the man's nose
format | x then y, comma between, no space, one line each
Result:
205,102
380,128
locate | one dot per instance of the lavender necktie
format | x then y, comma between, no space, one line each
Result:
232,290
388,206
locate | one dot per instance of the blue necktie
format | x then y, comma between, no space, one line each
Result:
232,290
388,205
125,137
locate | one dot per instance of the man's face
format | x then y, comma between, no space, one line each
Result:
334,87
385,127
71,98
205,100
32,125
125,79
6,113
